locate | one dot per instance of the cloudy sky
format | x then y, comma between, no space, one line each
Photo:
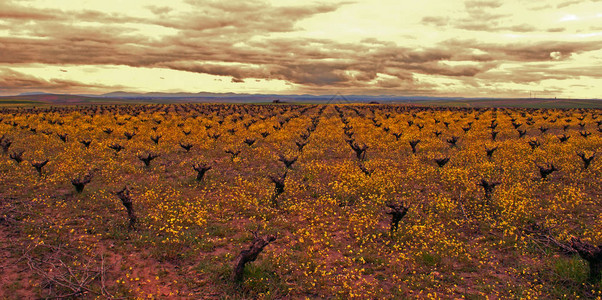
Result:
510,48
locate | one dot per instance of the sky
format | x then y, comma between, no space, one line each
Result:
475,48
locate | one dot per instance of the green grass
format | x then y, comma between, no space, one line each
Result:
572,269
430,259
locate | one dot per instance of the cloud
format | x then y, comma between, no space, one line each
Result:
493,26
437,21
479,4
482,16
389,83
447,70
9,10
522,75
257,40
15,82
540,7
159,10
568,3
312,62
482,10
240,18
238,72
528,52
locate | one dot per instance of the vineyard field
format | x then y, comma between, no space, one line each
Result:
340,201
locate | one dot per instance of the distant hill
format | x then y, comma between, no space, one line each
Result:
120,94
56,99
33,93
121,97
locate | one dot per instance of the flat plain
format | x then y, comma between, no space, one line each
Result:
351,200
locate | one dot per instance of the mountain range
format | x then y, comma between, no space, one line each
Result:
120,97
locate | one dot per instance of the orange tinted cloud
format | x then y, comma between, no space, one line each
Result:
474,49
11,80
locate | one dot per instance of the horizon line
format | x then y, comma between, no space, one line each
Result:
217,94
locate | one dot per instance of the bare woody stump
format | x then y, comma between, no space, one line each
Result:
250,255
278,181
398,211
81,182
591,254
126,199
